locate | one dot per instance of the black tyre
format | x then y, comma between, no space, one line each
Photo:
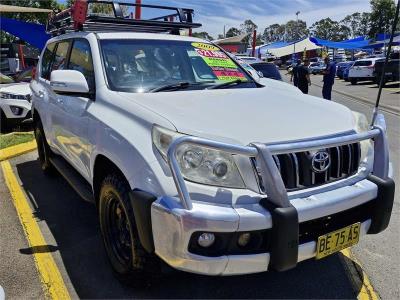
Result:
3,122
129,260
353,81
43,150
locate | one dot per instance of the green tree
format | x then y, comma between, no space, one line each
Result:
330,30
274,33
358,24
203,35
232,32
248,27
382,16
296,30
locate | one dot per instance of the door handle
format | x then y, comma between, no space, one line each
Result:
41,93
60,101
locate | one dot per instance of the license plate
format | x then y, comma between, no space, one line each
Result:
388,73
338,240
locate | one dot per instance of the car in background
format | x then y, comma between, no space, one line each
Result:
363,70
249,59
15,103
269,70
391,72
340,67
316,68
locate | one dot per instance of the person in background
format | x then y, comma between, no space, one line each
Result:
303,76
329,78
294,77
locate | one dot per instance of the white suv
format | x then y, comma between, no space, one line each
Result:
15,105
191,162
363,70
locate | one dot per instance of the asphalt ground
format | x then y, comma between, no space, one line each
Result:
70,229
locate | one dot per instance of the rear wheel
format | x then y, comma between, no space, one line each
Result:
43,149
353,81
129,260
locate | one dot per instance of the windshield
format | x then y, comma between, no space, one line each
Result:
145,65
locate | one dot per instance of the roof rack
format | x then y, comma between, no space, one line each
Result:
110,16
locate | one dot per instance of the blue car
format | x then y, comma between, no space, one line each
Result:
346,72
341,67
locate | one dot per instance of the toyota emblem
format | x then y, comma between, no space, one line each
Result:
321,161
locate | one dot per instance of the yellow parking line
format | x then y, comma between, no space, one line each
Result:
17,150
52,281
359,278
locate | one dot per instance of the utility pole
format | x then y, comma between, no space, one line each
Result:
297,34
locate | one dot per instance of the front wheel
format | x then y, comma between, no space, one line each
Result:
44,151
3,122
353,81
128,258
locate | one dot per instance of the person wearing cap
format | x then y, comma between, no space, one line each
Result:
303,77
329,78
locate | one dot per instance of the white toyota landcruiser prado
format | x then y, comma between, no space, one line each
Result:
192,162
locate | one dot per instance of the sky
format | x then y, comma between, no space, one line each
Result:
214,14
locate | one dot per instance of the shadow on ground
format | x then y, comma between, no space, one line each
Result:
73,224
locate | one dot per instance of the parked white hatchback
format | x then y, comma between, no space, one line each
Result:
363,70
190,161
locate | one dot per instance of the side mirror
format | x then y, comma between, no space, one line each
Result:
69,82
260,74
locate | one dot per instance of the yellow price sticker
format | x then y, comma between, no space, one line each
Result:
205,46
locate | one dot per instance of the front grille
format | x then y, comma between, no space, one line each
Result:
297,171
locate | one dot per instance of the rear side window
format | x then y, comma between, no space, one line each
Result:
60,57
81,60
363,63
46,61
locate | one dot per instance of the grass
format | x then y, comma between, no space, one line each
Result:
15,138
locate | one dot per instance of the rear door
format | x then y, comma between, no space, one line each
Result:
41,88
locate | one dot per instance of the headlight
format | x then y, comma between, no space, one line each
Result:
199,164
361,121
13,96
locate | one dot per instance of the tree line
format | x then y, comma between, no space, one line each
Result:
379,20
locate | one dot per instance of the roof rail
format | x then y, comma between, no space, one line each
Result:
110,16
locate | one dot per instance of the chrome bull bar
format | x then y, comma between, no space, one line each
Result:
272,180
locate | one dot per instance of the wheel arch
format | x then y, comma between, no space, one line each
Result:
102,167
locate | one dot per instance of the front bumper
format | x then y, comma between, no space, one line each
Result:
287,224
23,105
173,226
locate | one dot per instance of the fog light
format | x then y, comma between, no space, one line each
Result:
244,239
16,110
206,239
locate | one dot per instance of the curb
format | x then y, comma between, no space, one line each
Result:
360,281
17,150
387,108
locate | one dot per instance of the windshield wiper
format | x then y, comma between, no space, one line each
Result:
224,84
178,86
171,86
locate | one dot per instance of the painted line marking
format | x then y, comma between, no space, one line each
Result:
50,276
358,277
16,150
